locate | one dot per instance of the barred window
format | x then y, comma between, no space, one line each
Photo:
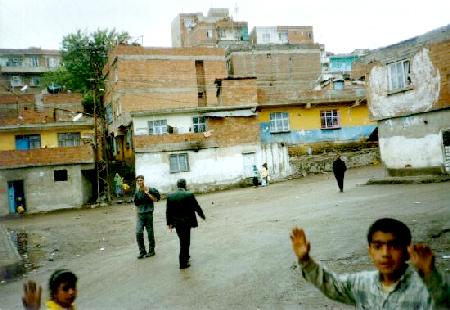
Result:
179,162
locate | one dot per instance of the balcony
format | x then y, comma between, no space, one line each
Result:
26,69
173,142
83,154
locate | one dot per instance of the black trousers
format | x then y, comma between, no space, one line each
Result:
184,234
340,182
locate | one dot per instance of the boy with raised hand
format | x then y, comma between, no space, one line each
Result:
394,285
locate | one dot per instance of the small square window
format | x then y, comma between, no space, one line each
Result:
179,162
60,175
279,122
329,119
199,123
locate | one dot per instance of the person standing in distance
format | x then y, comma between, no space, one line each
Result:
180,213
143,200
339,169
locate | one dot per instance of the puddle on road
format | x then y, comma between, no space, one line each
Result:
28,248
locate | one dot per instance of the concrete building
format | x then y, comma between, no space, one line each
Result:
216,29
186,118
46,155
408,93
23,68
282,35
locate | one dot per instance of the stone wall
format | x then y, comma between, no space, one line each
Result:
303,164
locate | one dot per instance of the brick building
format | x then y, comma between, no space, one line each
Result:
216,29
282,35
46,154
179,115
408,95
25,67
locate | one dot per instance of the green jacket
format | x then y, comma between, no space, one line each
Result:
181,208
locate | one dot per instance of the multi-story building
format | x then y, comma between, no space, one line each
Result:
297,105
408,95
282,35
216,29
46,153
23,68
177,114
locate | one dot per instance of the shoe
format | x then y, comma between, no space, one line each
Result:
185,266
150,254
142,255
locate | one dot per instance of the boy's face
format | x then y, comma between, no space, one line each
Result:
387,254
140,182
65,295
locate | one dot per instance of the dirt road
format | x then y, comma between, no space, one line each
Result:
241,255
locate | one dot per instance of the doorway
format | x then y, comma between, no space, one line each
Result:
16,197
446,143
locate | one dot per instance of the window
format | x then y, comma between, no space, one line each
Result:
338,85
69,139
279,122
16,80
283,36
109,114
52,62
179,162
265,37
399,75
60,175
27,142
35,81
14,62
199,123
158,127
209,33
329,119
34,61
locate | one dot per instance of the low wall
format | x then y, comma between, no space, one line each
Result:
304,164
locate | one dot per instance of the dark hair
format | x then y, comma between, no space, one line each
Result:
393,226
140,177
181,183
61,276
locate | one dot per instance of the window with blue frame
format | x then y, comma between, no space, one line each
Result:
27,142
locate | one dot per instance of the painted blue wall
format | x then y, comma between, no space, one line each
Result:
353,133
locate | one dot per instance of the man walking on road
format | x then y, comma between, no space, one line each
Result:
395,285
180,213
143,200
339,169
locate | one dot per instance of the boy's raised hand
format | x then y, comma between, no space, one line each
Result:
421,257
300,245
32,293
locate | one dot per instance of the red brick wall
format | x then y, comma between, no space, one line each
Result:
154,84
46,157
225,132
238,92
439,54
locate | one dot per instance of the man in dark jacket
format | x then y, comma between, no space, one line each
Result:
143,200
339,169
180,213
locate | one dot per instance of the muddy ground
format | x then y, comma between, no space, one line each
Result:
241,255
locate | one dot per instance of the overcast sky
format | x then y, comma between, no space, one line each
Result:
342,25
